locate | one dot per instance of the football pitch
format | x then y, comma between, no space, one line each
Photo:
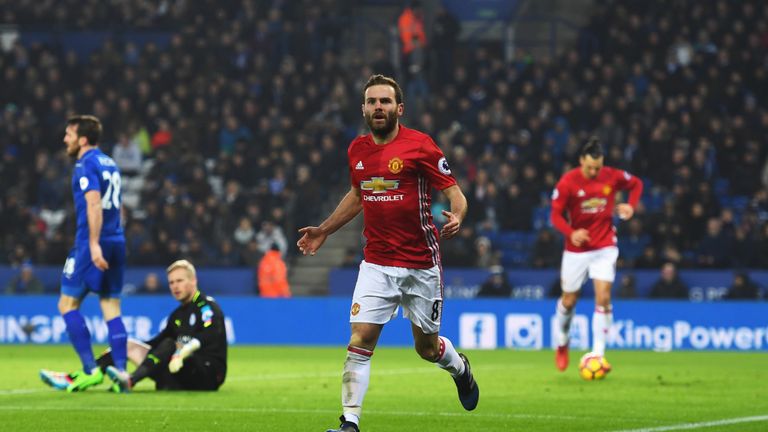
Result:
298,389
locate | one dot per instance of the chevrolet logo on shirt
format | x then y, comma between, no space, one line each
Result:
593,205
379,185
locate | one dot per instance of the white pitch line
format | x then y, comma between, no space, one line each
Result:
700,425
286,411
337,374
281,376
275,377
13,392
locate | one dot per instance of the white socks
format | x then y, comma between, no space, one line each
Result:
357,373
563,318
601,323
449,359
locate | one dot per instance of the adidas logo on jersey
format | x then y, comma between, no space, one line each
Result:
359,165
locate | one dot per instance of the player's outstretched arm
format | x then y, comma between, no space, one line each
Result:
186,350
635,187
313,237
94,211
456,215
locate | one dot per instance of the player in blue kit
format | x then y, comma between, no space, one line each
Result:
97,262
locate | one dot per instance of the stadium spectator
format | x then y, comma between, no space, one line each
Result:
25,282
413,38
271,235
244,232
714,250
648,260
163,136
460,251
382,65
351,259
546,250
762,247
484,256
227,256
413,41
627,286
151,285
497,284
127,155
273,275
445,34
743,288
632,243
669,284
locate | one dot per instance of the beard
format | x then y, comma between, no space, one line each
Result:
385,129
73,151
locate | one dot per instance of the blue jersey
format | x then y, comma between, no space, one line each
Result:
97,171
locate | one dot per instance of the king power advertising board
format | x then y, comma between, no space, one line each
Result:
472,324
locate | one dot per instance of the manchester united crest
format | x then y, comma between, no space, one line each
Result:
607,190
395,165
355,309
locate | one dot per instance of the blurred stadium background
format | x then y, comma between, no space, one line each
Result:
230,122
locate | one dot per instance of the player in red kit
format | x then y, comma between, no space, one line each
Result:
393,171
588,195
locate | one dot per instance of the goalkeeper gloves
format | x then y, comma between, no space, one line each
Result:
177,359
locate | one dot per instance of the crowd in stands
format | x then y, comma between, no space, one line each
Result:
234,133
677,93
228,138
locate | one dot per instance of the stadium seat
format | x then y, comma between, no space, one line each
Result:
541,218
721,187
514,259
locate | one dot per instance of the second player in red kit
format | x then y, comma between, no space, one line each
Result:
587,194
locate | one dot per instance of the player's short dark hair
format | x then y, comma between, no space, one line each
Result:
592,148
88,126
380,79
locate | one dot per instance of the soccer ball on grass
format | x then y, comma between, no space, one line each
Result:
593,367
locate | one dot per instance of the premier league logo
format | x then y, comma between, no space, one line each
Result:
443,166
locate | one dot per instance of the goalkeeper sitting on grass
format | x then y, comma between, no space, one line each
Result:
189,354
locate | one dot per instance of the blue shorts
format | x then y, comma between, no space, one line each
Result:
80,275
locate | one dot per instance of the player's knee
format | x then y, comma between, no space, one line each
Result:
362,340
569,301
429,353
66,305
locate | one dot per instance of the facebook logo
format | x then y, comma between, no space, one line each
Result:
579,333
477,330
524,331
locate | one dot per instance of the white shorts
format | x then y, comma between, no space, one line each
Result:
380,290
598,264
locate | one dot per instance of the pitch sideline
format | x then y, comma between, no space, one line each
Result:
700,425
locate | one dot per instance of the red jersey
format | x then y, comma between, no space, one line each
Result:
395,182
590,204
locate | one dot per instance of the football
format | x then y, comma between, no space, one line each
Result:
593,367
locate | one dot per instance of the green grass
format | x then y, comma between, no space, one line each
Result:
298,389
